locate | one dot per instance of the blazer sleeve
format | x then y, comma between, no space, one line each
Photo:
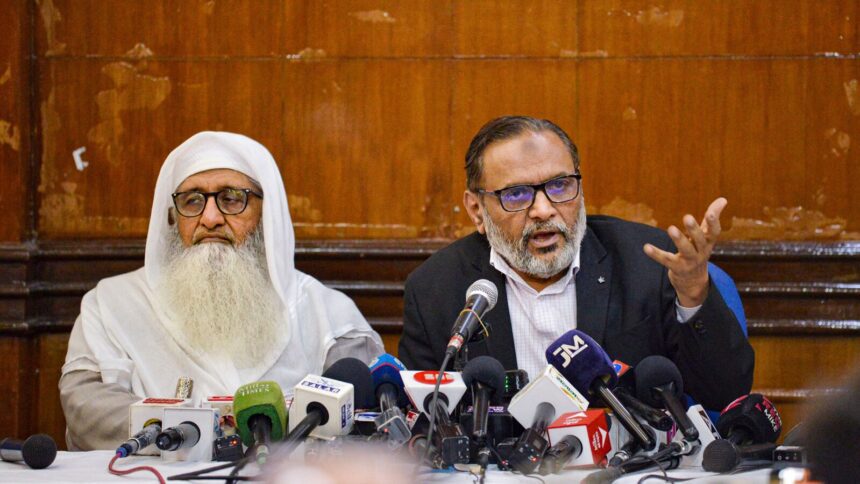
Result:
712,353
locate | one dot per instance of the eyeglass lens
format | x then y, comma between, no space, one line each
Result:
230,201
521,197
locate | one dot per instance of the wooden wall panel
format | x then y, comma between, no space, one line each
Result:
519,28
618,28
769,135
17,397
320,120
49,413
14,122
804,362
236,28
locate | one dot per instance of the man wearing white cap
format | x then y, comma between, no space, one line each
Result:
219,298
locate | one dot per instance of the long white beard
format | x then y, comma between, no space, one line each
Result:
222,300
516,252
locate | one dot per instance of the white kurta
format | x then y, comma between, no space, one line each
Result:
119,335
126,336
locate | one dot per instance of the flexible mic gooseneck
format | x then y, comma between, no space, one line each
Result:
486,377
659,384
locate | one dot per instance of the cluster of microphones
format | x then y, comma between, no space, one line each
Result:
583,409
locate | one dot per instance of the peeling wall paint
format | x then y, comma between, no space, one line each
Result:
839,142
301,209
790,223
132,90
10,135
660,17
852,96
635,212
311,53
50,17
629,114
7,74
139,51
374,16
208,7
595,53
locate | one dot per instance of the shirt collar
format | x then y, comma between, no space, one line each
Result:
501,265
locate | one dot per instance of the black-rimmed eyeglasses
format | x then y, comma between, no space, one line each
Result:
230,201
521,197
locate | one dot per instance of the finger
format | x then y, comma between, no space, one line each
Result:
685,247
696,234
711,222
664,258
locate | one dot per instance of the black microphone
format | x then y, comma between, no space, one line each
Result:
486,377
182,436
723,455
750,425
557,456
38,451
481,297
588,368
659,384
655,418
531,446
750,419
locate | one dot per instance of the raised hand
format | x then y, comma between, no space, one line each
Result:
688,268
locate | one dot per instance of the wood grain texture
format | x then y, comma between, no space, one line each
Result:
14,123
760,133
236,28
322,124
518,28
723,27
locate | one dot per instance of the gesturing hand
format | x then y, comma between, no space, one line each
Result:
688,268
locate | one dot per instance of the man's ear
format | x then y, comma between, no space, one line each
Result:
171,217
472,203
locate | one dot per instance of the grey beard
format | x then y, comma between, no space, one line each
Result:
516,252
221,298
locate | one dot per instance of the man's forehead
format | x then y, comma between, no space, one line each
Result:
530,157
217,178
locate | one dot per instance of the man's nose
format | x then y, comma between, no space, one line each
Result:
211,216
542,208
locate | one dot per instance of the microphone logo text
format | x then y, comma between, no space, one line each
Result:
568,352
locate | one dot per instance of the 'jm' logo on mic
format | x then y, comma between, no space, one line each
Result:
567,352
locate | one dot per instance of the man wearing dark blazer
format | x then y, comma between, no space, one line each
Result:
636,290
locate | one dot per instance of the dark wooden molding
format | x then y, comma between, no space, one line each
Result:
803,327
403,248
796,395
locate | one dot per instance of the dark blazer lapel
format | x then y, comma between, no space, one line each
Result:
500,344
593,287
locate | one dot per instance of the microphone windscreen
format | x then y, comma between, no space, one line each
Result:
720,456
385,369
657,371
39,451
581,361
754,414
486,370
486,289
354,371
260,398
